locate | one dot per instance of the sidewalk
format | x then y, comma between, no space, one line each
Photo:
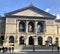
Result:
33,52
41,50
25,51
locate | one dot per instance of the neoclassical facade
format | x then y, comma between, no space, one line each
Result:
27,27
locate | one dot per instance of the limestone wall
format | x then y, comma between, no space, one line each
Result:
10,25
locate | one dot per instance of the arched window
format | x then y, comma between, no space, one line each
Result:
11,39
40,27
21,26
30,26
49,40
40,40
31,40
21,40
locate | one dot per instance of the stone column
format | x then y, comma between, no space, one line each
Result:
36,40
36,27
26,42
27,26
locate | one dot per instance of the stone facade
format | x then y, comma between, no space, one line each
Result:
30,26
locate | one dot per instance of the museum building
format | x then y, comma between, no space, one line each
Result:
27,27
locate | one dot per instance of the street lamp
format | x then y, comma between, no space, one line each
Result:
34,44
57,46
52,47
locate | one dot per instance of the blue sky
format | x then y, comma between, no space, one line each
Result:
51,6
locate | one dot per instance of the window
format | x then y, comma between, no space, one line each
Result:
30,26
21,26
21,40
11,39
40,27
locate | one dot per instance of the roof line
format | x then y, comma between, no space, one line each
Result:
30,7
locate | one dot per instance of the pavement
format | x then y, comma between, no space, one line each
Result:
36,52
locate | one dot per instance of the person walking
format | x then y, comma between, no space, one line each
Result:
57,48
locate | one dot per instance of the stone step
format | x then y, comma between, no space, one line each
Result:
38,47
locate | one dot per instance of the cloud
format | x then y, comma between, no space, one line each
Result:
47,10
58,16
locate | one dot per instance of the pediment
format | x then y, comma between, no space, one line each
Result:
30,11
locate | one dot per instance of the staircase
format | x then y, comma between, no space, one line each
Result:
38,47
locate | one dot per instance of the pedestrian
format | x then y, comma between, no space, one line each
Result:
9,49
12,49
58,48
52,47
6,49
3,49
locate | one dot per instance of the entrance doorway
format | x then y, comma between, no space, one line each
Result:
39,40
31,41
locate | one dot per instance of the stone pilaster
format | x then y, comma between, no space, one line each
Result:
36,41
59,41
27,41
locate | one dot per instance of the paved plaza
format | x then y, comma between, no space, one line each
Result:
39,52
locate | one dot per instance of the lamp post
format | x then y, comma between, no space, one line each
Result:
34,44
52,47
33,48
57,46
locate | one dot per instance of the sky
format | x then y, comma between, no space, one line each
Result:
50,6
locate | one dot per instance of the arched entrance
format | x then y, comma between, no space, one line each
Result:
21,40
39,40
49,40
31,41
11,39
56,41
